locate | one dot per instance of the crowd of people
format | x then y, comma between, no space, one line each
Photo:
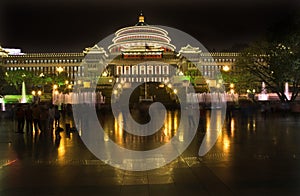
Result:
37,117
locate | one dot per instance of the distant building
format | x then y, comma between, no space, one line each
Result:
130,47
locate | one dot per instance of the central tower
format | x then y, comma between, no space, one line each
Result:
141,36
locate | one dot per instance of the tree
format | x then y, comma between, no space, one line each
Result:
274,63
242,80
2,80
16,77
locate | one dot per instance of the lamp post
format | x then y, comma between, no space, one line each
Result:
59,69
54,93
36,96
226,68
251,94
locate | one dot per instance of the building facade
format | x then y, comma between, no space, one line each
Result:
132,57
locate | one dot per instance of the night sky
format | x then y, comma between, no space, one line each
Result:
72,25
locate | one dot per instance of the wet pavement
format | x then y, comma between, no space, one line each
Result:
252,156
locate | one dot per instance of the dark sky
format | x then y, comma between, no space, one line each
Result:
72,25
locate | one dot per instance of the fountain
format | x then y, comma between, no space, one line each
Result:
286,91
263,96
2,102
23,98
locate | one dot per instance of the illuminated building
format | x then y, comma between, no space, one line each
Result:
136,44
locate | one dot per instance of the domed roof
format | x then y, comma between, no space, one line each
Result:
141,35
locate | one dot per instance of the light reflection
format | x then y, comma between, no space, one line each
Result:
232,127
61,151
214,128
175,120
181,136
226,144
169,121
114,129
106,137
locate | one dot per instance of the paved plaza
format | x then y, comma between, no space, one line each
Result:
253,156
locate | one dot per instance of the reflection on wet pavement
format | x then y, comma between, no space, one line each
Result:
115,130
252,155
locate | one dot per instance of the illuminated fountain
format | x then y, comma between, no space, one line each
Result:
2,102
23,98
286,91
263,96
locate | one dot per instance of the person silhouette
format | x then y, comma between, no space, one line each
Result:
20,116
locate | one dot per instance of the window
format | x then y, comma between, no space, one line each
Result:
142,70
157,70
127,70
150,70
134,70
165,69
119,70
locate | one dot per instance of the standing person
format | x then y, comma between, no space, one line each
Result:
29,120
44,118
20,116
36,117
51,117
56,116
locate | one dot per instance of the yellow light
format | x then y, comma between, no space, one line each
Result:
175,91
106,137
33,93
231,85
79,82
181,138
39,93
69,86
56,92
66,82
55,86
119,86
170,85
104,74
226,68
232,91
110,80
115,92
59,69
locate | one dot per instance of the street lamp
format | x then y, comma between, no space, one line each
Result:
36,96
54,93
59,69
226,68
55,86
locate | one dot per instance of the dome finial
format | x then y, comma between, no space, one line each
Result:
141,20
141,17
